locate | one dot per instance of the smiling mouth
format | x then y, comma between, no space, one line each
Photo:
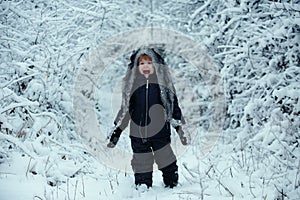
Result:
146,71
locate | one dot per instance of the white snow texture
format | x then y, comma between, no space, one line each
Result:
255,45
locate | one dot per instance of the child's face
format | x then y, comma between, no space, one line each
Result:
145,66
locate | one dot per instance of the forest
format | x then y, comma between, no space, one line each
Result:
241,101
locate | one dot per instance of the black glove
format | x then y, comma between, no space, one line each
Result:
180,132
114,138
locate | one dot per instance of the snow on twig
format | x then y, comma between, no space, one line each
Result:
18,143
16,105
196,12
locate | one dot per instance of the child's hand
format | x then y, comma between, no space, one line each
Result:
114,138
181,134
183,140
111,145
113,141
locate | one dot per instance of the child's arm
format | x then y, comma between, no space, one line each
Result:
178,121
181,134
114,138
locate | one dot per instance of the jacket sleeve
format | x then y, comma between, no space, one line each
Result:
122,123
178,119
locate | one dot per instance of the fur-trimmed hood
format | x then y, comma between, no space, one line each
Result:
167,89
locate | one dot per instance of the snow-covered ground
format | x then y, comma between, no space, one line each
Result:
255,46
220,175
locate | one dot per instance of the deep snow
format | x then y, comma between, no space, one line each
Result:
255,45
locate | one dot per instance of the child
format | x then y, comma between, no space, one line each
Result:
150,104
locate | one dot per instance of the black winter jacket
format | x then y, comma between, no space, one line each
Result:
146,111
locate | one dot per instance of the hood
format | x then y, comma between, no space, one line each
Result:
164,80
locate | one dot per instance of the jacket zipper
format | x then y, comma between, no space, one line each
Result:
146,116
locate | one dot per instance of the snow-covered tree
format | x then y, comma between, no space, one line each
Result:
255,45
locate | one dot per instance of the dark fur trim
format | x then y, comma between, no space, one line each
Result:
167,88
